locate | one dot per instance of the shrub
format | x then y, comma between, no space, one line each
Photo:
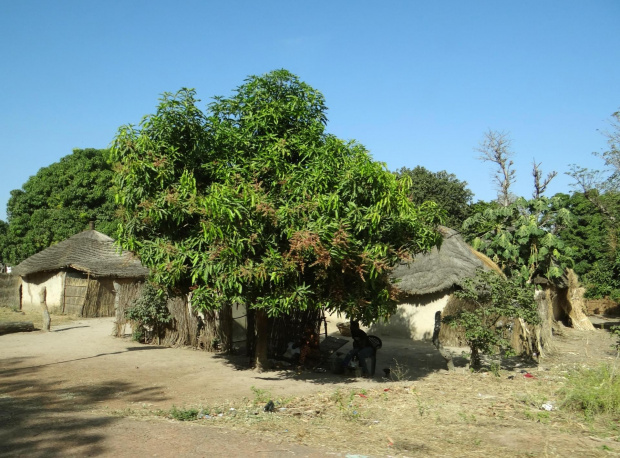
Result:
149,314
184,414
490,301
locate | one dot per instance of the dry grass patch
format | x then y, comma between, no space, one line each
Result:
458,414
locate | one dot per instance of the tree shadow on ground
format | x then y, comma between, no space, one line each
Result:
406,359
38,418
12,367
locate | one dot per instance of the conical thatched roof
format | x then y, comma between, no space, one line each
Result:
442,268
90,252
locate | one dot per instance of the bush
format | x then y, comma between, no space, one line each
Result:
490,303
149,314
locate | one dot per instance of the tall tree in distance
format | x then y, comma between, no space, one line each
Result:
58,202
252,202
443,188
495,148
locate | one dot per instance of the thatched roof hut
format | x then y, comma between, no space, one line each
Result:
442,268
427,283
79,274
90,252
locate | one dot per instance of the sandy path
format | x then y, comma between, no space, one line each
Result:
58,389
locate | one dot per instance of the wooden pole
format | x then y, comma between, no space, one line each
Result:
119,323
442,351
47,320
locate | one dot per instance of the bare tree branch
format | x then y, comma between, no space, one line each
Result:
495,148
540,186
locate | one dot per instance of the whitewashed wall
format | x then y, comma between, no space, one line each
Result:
54,284
414,319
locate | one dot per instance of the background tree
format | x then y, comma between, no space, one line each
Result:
594,239
443,188
58,202
495,148
601,188
253,202
523,237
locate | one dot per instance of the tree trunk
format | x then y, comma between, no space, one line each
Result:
9,327
262,341
475,360
250,335
47,321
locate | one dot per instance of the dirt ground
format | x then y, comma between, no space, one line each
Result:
78,391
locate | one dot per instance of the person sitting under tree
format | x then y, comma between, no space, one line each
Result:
310,347
361,348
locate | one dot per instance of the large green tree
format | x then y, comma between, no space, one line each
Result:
58,202
450,194
253,202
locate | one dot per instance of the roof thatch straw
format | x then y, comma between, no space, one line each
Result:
90,252
442,268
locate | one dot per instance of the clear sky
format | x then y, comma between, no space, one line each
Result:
418,83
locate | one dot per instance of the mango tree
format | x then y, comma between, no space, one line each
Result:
253,202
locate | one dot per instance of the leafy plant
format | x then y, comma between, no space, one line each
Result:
522,237
260,395
489,303
149,314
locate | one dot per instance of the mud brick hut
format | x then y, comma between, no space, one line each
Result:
80,275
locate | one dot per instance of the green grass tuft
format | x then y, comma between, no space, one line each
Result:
184,414
593,392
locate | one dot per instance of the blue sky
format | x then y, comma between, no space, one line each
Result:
418,83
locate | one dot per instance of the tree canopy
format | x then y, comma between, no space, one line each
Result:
58,202
252,202
443,188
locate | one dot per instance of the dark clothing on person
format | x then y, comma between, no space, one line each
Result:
361,348
360,339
